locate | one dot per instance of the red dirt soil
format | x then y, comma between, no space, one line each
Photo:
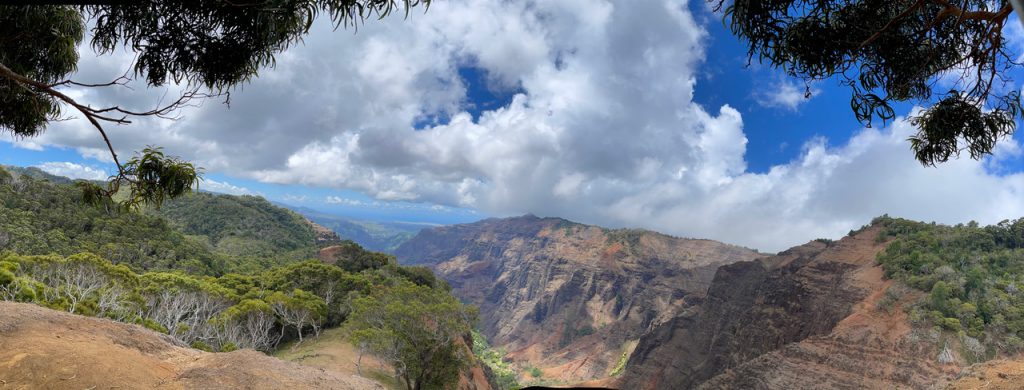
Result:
46,349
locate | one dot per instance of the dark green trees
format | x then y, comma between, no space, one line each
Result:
417,330
970,275
890,51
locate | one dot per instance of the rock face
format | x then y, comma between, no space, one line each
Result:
46,349
804,319
567,298
324,236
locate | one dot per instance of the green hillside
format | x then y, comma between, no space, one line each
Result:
39,217
220,273
200,233
970,275
241,225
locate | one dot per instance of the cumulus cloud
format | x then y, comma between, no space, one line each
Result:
74,171
786,94
603,128
223,187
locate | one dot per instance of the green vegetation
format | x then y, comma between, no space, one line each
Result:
416,329
504,374
620,365
38,217
208,234
57,251
971,274
213,313
242,225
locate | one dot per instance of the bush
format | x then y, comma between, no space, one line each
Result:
952,324
535,372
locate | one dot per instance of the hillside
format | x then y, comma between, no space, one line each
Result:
214,273
375,236
40,217
829,315
43,348
568,299
242,225
766,323
199,233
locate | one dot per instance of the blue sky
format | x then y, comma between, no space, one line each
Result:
619,113
347,203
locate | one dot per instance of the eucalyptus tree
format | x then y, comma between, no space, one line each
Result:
949,56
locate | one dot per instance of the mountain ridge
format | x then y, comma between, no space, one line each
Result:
567,298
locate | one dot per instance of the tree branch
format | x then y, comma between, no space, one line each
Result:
948,11
26,82
96,115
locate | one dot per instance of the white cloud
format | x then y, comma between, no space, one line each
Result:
347,202
296,198
786,94
826,192
605,130
224,188
74,171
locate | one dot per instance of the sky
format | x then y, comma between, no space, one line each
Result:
641,114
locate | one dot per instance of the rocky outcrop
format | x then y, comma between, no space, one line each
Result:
324,236
804,319
568,298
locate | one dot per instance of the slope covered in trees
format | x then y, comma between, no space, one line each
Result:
242,225
972,275
235,278
200,233
39,217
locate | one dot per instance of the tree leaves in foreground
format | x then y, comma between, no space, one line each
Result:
207,46
150,177
889,51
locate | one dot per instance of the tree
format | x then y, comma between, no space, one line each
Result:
298,309
328,282
207,46
890,51
415,329
247,325
184,305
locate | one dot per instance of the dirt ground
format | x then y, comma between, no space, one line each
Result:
46,349
331,351
993,375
